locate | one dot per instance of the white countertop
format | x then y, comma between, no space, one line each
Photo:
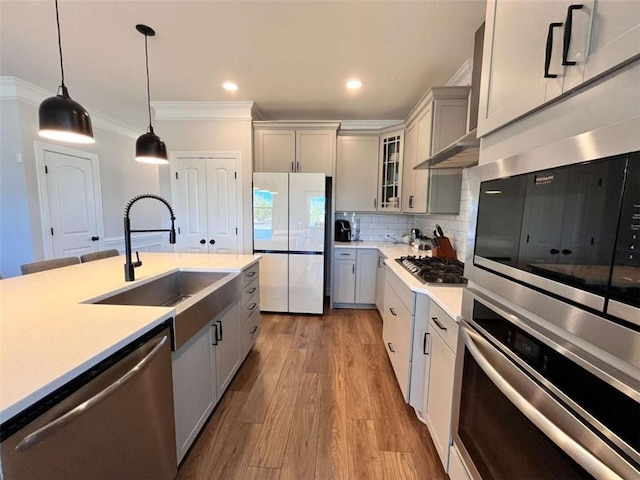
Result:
48,336
447,297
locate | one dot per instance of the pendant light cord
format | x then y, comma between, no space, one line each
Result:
59,45
146,56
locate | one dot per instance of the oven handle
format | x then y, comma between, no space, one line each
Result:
583,457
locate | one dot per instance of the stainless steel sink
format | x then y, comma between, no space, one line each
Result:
173,289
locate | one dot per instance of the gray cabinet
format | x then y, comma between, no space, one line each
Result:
354,277
390,171
357,173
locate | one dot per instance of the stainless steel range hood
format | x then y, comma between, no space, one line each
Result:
463,152
460,154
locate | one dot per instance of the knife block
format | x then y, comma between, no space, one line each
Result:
444,249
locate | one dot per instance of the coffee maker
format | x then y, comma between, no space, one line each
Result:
343,231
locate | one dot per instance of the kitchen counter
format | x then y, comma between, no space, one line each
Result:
48,335
448,298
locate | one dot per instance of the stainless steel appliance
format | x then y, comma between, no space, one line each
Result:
550,363
114,421
431,270
530,405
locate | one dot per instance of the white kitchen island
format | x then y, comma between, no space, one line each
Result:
49,334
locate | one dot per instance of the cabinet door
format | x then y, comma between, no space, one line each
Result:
513,81
357,174
227,350
423,151
444,190
408,173
390,172
275,150
366,266
440,393
615,37
344,281
315,151
194,387
222,205
380,279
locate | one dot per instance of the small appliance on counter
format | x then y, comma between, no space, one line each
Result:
343,231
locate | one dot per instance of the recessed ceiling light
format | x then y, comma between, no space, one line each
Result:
230,86
354,84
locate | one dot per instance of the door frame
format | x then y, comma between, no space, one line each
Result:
43,193
175,156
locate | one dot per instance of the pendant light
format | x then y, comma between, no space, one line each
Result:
61,118
150,148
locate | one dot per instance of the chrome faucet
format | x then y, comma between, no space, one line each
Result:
129,265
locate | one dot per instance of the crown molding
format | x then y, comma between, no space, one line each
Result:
368,124
13,88
203,110
463,76
296,124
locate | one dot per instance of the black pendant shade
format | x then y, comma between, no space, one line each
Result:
62,118
150,148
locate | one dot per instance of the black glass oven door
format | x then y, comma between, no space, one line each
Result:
509,427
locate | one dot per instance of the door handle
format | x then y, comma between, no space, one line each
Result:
220,323
292,168
43,432
554,251
203,241
353,269
568,25
547,55
95,238
424,343
297,166
411,201
375,203
215,335
391,348
566,251
212,241
437,322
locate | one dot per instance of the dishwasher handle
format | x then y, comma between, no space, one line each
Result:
43,432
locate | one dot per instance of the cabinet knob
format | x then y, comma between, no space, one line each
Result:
203,241
95,238
212,241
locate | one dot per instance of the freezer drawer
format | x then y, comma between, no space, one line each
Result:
306,283
274,279
118,424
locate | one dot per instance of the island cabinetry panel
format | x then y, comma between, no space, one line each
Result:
295,147
357,173
439,119
536,52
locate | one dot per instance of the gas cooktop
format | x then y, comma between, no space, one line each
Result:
431,270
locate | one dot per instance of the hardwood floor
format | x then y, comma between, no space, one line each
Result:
315,399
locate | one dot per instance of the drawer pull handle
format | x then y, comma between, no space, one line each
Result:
251,274
252,290
253,306
393,312
437,322
391,348
347,254
253,330
548,49
567,34
424,343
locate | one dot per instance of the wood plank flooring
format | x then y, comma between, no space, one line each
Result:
315,399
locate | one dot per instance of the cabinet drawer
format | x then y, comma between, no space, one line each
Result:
345,253
248,308
250,274
396,334
248,291
404,293
250,332
443,325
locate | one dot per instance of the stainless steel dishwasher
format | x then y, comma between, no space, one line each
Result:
114,421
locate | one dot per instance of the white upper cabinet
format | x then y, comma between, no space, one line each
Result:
357,173
439,119
536,51
292,147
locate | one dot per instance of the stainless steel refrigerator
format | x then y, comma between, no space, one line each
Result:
289,231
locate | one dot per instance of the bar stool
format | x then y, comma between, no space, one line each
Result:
90,257
43,265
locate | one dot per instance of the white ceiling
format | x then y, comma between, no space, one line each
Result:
291,58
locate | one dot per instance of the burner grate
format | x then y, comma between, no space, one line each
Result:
434,270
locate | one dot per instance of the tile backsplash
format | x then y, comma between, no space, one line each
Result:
376,227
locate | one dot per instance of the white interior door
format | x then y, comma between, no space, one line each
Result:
70,199
306,283
306,212
190,196
222,207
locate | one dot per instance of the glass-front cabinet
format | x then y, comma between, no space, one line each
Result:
390,174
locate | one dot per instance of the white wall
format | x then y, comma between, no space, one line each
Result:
227,135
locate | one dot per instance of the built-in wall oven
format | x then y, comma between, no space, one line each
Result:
548,370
